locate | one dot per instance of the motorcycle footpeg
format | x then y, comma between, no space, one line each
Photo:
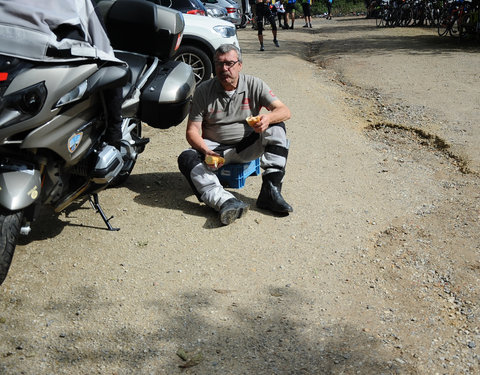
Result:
141,142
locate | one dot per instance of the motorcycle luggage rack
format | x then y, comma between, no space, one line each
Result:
93,199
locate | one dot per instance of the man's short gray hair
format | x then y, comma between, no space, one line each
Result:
225,48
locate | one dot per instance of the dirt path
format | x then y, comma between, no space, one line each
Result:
376,271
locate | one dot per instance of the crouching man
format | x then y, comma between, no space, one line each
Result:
217,126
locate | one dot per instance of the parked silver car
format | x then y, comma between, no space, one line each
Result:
215,10
234,12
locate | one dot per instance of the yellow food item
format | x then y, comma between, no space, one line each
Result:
214,160
252,120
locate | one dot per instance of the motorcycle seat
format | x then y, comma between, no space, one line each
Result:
136,64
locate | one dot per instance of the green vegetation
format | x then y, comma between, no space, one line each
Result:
339,7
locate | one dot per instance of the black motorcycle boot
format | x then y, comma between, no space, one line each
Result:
113,103
270,197
232,210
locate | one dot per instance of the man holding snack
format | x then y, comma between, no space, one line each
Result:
219,134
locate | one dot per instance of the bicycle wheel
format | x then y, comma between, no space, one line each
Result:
444,23
406,17
454,27
395,17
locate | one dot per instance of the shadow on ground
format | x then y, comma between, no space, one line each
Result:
171,191
270,332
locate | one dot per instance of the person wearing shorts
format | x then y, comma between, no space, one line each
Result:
290,10
307,12
264,12
280,14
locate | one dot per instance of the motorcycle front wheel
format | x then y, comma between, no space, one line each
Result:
10,224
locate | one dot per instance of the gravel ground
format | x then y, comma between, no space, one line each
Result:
375,272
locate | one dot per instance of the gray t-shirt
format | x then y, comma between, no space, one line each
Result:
223,117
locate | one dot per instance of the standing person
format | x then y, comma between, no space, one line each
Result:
290,10
307,12
254,13
217,126
280,14
329,9
264,11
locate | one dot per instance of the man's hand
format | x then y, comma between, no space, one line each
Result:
278,112
213,160
262,124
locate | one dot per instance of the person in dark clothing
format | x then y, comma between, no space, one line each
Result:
329,9
263,11
307,12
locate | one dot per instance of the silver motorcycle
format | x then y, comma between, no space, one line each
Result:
53,117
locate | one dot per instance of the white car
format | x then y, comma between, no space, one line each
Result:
201,37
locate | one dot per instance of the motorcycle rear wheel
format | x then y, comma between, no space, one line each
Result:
10,224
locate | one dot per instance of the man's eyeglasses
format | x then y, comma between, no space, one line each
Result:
228,64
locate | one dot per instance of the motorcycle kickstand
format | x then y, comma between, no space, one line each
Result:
96,206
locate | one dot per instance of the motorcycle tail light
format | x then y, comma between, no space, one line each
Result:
3,76
231,10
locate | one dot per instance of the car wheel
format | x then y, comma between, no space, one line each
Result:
198,60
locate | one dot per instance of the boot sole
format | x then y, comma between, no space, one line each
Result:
276,210
229,216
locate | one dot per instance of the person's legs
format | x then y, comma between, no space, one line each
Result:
273,161
260,34
113,103
309,15
253,7
273,24
207,187
202,180
260,15
289,14
305,13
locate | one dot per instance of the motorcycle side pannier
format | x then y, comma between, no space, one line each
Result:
165,99
143,27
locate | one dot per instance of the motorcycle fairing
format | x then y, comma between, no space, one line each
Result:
36,30
58,80
20,184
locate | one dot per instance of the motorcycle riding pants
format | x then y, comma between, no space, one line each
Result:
271,146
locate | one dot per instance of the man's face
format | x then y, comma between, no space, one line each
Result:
227,69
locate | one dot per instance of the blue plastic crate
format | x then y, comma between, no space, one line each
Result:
234,175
